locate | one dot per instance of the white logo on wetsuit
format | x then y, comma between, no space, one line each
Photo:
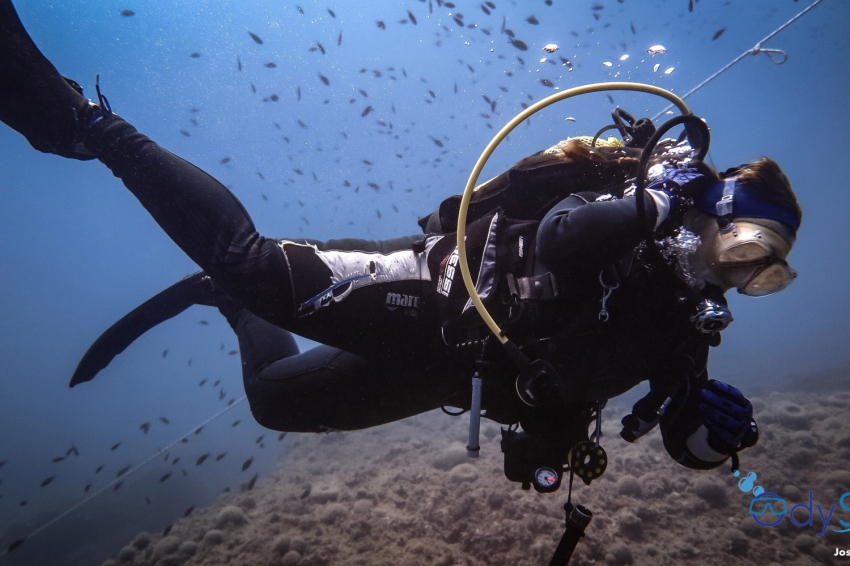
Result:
447,274
395,300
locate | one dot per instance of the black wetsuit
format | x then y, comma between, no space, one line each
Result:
384,357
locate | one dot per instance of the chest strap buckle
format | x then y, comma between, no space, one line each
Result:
535,288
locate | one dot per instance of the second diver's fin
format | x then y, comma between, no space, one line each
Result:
192,290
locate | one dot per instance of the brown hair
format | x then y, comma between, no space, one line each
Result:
766,181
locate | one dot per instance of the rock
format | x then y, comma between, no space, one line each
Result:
213,537
710,491
452,456
188,548
127,554
463,473
291,558
142,541
230,516
805,543
281,544
619,555
629,485
168,545
630,526
334,512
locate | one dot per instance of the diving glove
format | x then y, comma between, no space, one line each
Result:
728,416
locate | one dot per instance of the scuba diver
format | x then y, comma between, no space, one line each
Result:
603,287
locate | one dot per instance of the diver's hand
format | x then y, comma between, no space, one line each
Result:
728,416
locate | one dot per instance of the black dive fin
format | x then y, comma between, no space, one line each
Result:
159,308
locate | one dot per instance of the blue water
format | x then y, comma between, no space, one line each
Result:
78,251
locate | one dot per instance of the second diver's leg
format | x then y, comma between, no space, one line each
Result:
202,217
326,388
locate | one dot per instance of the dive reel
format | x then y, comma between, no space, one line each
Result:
537,460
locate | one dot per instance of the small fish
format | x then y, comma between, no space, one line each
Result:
718,33
271,65
519,44
145,427
88,487
378,212
164,420
331,12
221,395
485,9
412,17
255,37
174,461
195,55
148,501
437,142
165,477
298,93
324,80
217,381
23,503
690,5
306,493
202,382
198,430
274,98
220,456
281,436
321,47
339,39
367,162
547,82
115,446
260,439
238,64
253,88
375,186
300,10
166,531
634,31
232,352
532,20
246,465
99,468
46,482
122,471
253,481
15,545
118,486
610,99
236,423
127,13
58,459
381,25
3,463
366,111
165,352
202,459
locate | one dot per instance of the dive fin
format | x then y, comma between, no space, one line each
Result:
192,290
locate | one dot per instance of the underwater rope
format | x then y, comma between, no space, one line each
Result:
124,476
756,49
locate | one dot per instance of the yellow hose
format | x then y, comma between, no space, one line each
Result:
491,147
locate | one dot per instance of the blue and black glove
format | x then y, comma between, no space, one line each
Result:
728,416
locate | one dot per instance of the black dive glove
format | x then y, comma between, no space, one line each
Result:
728,416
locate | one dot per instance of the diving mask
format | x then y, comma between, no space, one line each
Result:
751,258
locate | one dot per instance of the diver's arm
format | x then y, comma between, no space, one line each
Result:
582,231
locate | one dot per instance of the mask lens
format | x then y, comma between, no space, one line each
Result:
745,252
769,280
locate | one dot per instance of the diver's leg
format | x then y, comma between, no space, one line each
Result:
326,388
34,98
195,210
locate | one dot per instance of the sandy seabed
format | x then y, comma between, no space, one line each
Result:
406,494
